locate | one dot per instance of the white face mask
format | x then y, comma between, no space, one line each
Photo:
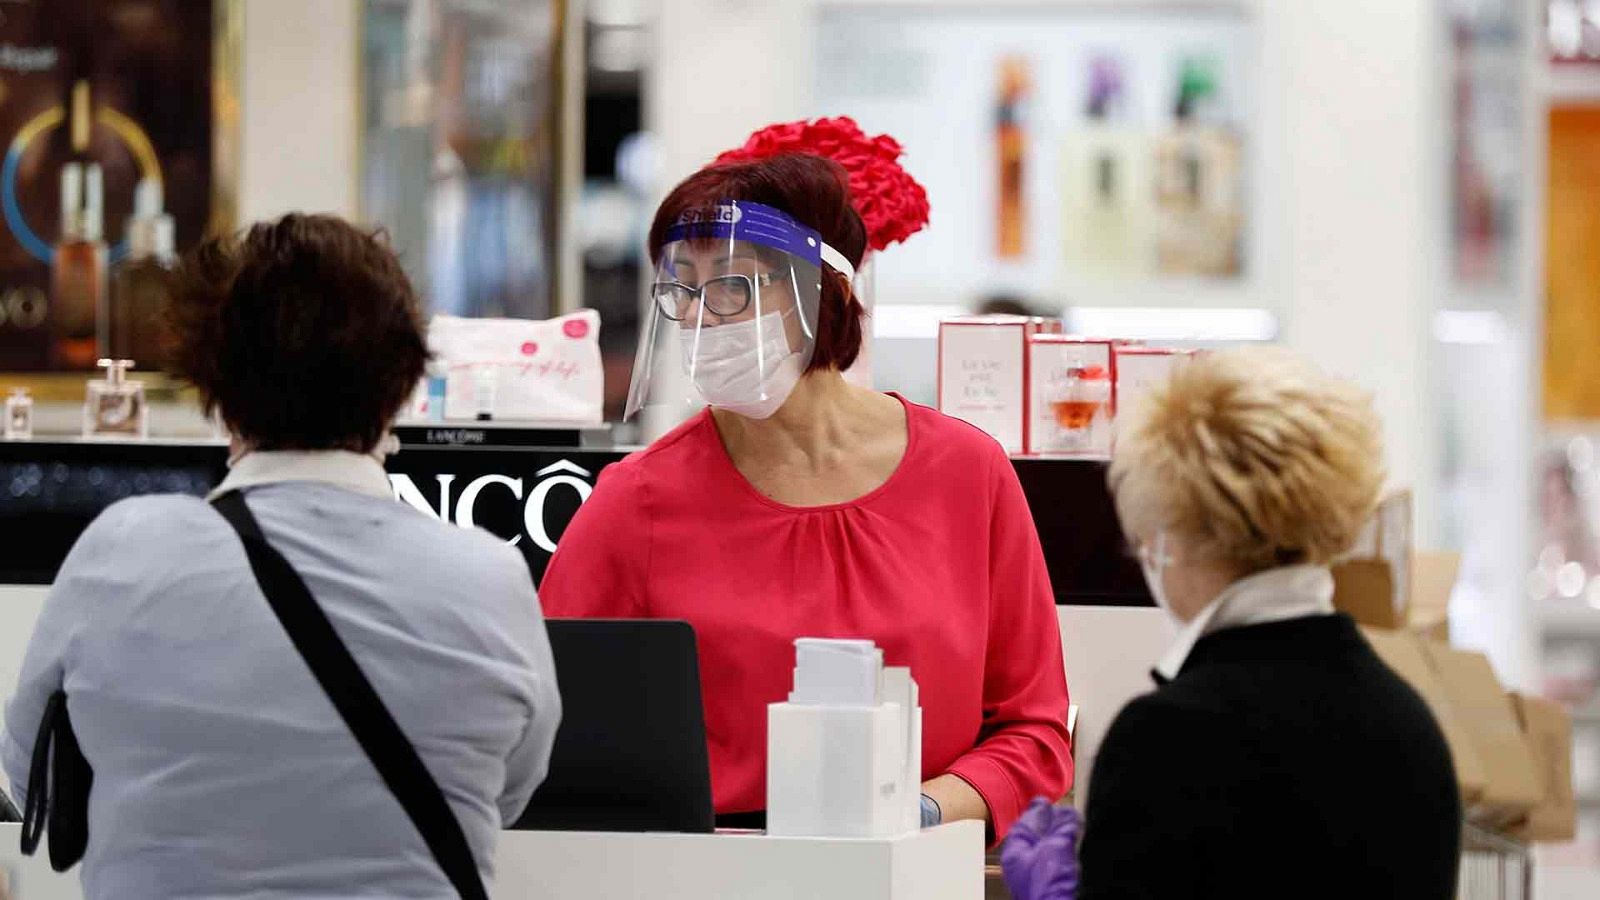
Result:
725,362
1154,562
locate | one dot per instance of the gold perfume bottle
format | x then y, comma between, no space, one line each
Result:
115,407
19,415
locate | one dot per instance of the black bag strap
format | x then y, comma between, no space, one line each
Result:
38,799
359,705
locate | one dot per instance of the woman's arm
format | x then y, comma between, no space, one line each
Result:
1023,750
529,761
91,574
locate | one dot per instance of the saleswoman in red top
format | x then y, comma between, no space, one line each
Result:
801,506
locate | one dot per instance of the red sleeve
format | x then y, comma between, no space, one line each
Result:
1023,750
599,567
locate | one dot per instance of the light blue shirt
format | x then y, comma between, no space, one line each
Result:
221,768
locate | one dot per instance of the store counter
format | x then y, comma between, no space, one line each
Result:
944,863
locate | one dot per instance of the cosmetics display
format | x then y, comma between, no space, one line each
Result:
115,406
19,415
1071,392
1105,182
983,365
1199,195
137,286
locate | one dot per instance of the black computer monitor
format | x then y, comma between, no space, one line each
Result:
631,751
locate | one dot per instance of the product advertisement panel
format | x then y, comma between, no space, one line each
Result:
106,112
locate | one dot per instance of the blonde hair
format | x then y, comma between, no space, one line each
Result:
1253,457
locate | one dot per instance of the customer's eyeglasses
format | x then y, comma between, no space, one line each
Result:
724,296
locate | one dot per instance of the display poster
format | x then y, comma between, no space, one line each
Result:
106,112
1069,153
460,125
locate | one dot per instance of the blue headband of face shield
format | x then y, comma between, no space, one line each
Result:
742,220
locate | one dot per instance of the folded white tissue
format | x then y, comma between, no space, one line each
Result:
844,754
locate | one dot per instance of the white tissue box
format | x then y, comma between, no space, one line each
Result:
836,771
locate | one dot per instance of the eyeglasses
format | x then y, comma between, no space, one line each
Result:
724,296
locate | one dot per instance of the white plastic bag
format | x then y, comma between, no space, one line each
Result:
521,369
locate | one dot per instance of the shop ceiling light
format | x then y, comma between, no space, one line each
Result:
1469,326
912,320
1174,324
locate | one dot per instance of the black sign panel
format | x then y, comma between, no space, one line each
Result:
50,492
525,495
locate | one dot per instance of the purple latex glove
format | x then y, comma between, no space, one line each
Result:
1040,855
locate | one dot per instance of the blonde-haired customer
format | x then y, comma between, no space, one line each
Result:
1278,756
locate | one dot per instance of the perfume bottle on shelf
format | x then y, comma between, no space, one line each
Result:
1107,212
78,268
1080,404
19,415
116,407
1011,148
139,283
1198,182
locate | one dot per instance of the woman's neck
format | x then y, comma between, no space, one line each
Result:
823,415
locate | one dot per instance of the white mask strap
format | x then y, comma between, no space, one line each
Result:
838,263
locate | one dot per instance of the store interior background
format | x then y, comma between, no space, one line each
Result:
1355,113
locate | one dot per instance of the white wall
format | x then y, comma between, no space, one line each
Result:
298,96
1363,265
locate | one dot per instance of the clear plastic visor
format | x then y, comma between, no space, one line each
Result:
729,323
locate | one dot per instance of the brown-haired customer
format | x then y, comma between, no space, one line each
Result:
221,769
1279,757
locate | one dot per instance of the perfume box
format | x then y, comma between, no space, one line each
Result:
983,375
1141,369
1071,396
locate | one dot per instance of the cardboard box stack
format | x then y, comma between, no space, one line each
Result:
1512,753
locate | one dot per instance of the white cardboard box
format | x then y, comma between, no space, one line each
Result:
1071,395
983,373
1141,369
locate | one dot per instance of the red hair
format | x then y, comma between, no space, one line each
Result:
816,192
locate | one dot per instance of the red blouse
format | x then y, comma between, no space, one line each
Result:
940,566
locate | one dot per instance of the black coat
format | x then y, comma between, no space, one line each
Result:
1285,760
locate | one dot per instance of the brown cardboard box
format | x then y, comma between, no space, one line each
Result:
1404,654
1548,728
1513,785
1363,589
1433,579
1372,584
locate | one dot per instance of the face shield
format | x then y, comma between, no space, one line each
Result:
732,319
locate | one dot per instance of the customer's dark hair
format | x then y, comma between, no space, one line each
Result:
304,333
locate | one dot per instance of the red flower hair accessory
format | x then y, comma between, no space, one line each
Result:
890,202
